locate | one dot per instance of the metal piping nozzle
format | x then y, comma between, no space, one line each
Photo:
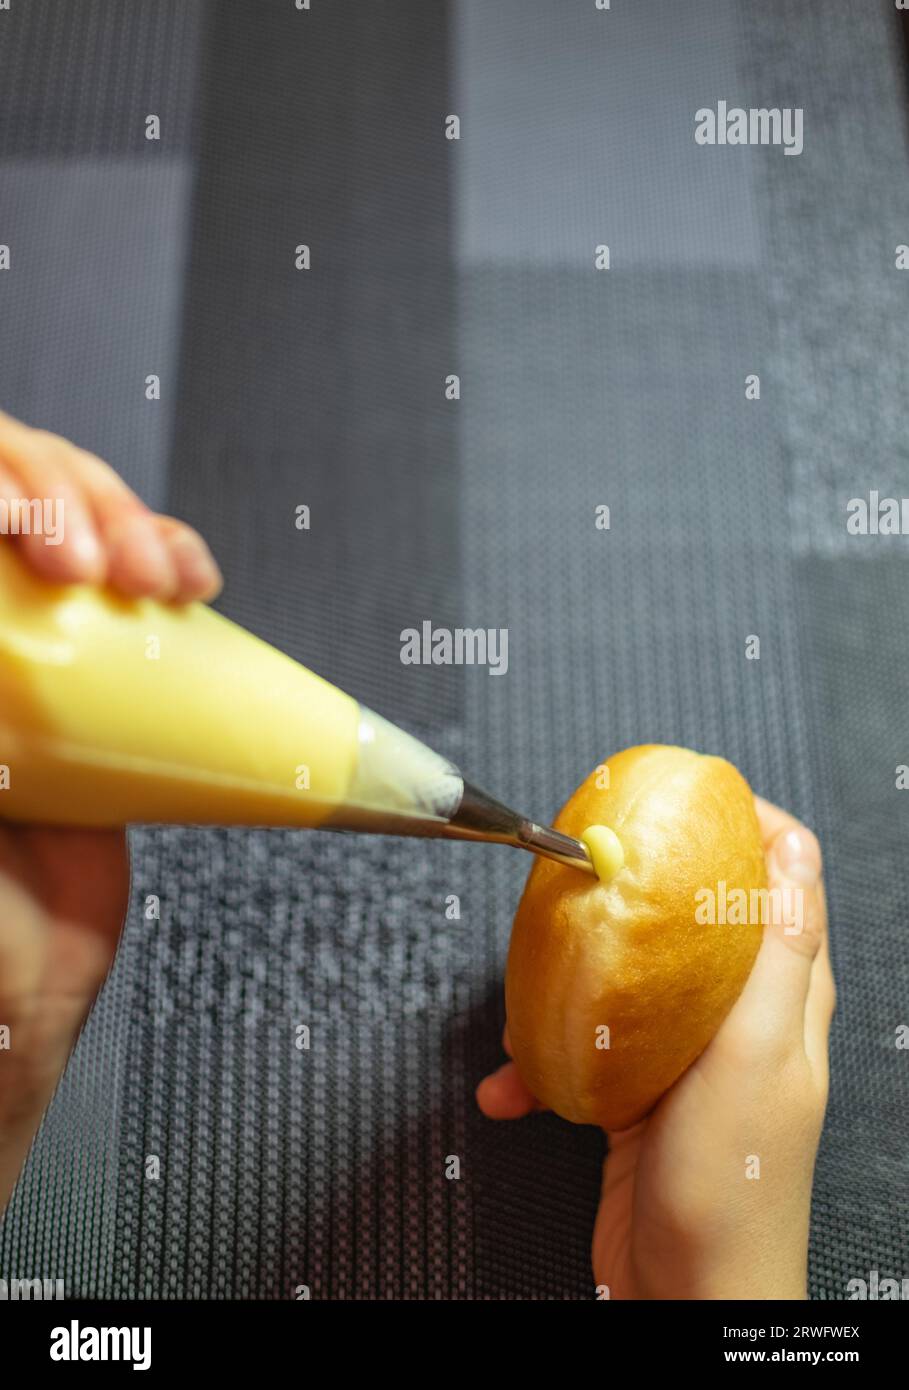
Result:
481,817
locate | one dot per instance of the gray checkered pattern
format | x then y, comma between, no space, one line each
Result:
326,1166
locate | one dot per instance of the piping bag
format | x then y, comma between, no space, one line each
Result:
116,710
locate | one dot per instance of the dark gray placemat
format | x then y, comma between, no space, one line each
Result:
326,1167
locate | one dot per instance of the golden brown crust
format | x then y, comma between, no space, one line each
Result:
630,954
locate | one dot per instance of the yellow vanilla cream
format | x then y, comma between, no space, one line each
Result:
605,850
115,710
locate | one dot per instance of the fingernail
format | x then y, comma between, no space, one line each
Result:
195,561
85,549
148,555
797,855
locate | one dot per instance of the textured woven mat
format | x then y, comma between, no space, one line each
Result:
326,1167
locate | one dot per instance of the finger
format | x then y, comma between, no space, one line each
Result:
623,1144
503,1095
794,869
772,819
188,571
819,1008
773,1003
140,562
101,517
65,547
95,904
22,926
198,576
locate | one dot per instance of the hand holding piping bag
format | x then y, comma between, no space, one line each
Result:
679,1218
63,892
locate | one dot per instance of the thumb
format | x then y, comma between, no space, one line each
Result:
794,928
